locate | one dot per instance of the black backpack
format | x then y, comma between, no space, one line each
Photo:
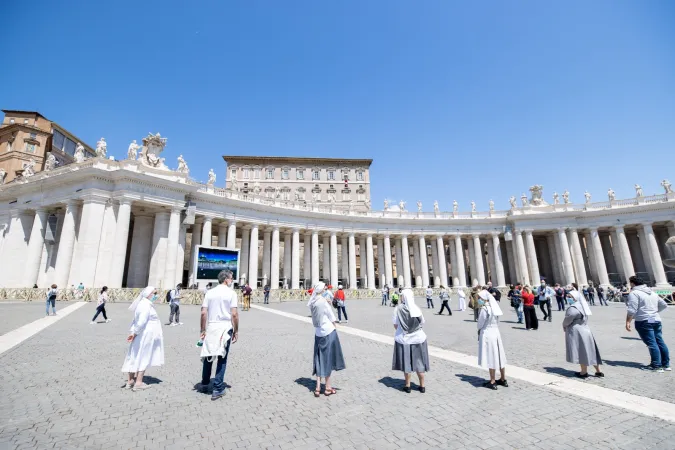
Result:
168,296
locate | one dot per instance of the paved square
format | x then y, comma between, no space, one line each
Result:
61,389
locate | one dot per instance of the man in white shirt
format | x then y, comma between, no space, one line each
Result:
219,328
174,304
430,299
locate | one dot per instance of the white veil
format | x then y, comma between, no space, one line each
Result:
145,293
494,306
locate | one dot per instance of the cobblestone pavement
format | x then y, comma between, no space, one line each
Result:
16,314
542,350
61,389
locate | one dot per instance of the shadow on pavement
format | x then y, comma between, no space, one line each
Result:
561,371
471,379
151,380
631,338
632,364
309,383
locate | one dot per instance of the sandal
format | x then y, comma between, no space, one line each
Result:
329,392
317,394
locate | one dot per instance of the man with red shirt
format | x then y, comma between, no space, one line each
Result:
340,298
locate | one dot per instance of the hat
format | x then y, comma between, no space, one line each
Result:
339,286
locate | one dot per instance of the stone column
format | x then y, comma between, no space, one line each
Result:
624,252
492,275
436,281
533,264
207,236
106,246
459,256
160,238
287,258
418,263
442,264
644,249
636,253
370,263
139,256
608,253
15,248
267,257
655,257
506,264
424,262
601,268
119,253
35,246
556,263
499,264
670,227
514,277
405,255
326,259
352,262
400,279
578,259
274,259
222,234
388,272
196,240
471,253
380,261
568,269
295,260
93,211
334,278
521,260
232,234
593,269
344,249
478,257
253,258
245,247
452,250
362,262
315,258
180,255
307,262
172,248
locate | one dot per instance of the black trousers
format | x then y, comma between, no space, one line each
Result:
531,321
561,303
430,303
100,309
175,312
545,305
445,305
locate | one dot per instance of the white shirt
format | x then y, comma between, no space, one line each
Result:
417,337
430,292
326,326
219,302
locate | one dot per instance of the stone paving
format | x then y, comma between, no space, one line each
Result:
16,314
61,389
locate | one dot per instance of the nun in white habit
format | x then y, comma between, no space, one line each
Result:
146,342
327,348
491,353
579,341
410,342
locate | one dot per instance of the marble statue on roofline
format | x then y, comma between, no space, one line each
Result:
3,175
153,146
566,196
455,206
386,204
132,152
492,205
473,206
537,195
611,195
101,148
419,206
212,178
79,153
638,191
523,200
512,201
556,198
401,206
587,195
665,184
182,165
50,162
29,169
436,209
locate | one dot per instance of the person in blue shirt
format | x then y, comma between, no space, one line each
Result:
545,294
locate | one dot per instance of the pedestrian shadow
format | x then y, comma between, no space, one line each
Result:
560,371
471,379
309,383
518,328
395,383
507,321
631,364
469,320
151,380
631,338
198,386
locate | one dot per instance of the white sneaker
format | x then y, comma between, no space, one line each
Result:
173,324
108,320
92,323
339,321
346,321
668,369
180,323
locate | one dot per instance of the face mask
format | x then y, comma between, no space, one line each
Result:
570,300
154,298
481,302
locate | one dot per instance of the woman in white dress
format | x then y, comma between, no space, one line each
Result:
462,299
491,353
146,347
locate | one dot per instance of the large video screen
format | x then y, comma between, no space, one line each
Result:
211,260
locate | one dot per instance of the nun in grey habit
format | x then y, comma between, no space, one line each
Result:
327,349
579,341
410,341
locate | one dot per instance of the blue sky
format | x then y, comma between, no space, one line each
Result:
452,99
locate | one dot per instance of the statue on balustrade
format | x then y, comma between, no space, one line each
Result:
3,175
523,200
537,195
566,197
50,162
368,204
473,206
182,166
29,169
638,191
153,146
101,148
436,209
79,153
132,152
611,195
212,178
512,201
667,186
587,195
492,206
419,206
455,206
386,204
556,198
401,206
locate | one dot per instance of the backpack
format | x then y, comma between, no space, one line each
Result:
168,296
497,295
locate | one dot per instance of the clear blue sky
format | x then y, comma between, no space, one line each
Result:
452,99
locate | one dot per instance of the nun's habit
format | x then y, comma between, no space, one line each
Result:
327,349
410,341
147,348
579,341
491,353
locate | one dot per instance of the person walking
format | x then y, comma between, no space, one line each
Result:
146,341
247,291
51,299
494,291
644,307
395,297
530,313
266,293
80,291
491,353
560,296
461,296
100,307
545,294
473,302
516,301
385,295
445,298
411,353
601,295
327,349
339,297
625,290
580,345
219,326
430,299
174,304
591,295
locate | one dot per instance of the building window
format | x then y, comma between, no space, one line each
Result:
284,174
300,194
25,121
331,174
58,140
315,175
256,174
269,192
346,194
233,174
11,121
285,193
246,173
33,135
270,174
69,147
345,174
359,175
361,194
30,147
300,174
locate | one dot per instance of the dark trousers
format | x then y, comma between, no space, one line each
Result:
475,314
591,299
545,305
531,321
384,299
650,333
100,309
561,303
342,310
601,297
267,298
175,312
446,306
430,302
221,365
